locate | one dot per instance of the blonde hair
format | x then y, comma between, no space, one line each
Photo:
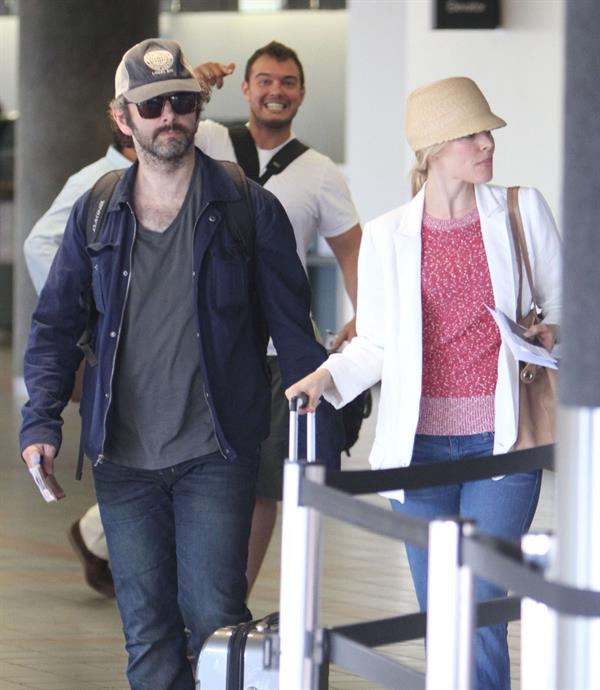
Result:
420,168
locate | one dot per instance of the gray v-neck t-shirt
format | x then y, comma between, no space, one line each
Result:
160,416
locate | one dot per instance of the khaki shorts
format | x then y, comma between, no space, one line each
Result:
274,450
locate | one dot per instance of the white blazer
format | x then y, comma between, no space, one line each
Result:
389,319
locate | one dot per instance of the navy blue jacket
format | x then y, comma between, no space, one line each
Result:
230,346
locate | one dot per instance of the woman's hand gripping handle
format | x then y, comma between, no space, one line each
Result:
312,386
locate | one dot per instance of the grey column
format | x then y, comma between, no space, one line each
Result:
578,456
68,53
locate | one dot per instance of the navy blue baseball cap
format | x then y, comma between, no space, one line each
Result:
152,68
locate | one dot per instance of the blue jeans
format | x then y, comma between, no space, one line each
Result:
178,544
503,507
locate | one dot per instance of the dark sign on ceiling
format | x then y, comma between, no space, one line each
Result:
467,14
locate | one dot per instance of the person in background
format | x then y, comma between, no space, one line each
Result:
45,237
86,534
176,402
318,203
449,386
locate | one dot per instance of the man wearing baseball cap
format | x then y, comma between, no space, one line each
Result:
176,397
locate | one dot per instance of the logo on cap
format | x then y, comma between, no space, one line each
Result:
159,61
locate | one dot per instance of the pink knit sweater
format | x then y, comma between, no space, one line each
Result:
460,339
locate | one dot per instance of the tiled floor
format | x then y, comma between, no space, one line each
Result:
56,634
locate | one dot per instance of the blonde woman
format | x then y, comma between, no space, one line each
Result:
449,387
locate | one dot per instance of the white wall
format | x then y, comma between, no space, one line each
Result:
519,67
9,37
389,48
375,94
319,37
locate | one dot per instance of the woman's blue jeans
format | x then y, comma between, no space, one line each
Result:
502,507
178,543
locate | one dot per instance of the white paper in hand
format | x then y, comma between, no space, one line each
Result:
522,349
46,483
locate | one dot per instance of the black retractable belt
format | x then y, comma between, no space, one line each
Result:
442,473
247,156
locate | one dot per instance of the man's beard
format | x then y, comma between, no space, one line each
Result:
157,149
274,124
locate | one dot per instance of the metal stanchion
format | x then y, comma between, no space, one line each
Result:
538,622
450,609
578,541
299,660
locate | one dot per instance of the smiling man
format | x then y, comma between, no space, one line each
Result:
274,88
318,203
176,397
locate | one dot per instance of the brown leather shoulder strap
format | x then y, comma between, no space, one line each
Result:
513,201
518,234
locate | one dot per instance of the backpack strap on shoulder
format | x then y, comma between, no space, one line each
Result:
239,213
94,213
247,156
245,150
239,216
97,203
282,159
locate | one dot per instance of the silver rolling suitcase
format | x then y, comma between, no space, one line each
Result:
246,656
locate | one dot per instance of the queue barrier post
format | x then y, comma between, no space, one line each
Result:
450,608
538,621
299,662
454,557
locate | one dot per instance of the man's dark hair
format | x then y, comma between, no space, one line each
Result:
119,140
277,51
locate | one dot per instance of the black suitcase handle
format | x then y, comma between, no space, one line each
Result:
237,646
295,404
235,656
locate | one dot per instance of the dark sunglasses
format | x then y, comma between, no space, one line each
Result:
183,103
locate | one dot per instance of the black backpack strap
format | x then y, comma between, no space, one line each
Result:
94,213
80,454
282,159
97,203
245,150
239,216
247,156
239,213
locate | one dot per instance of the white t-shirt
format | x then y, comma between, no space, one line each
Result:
311,188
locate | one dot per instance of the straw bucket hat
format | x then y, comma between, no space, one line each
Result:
446,110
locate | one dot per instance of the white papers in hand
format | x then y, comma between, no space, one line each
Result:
522,349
